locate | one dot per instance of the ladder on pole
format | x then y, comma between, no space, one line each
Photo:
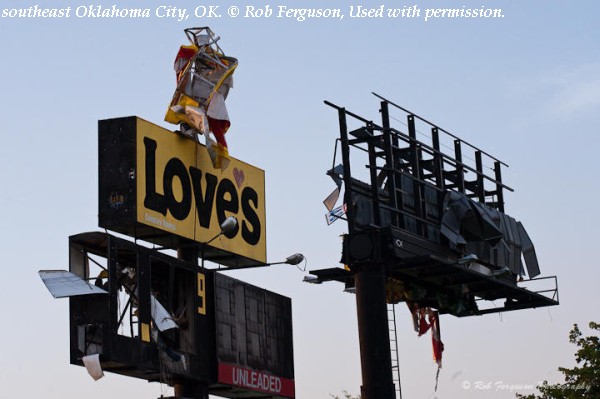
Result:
391,308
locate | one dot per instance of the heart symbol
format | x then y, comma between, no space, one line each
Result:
238,175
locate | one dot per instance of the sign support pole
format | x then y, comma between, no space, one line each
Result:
373,331
371,307
190,389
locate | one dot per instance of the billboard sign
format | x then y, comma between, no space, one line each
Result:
161,187
234,336
254,345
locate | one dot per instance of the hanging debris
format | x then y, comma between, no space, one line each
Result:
427,319
93,366
204,77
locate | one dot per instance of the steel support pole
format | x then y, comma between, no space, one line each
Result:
373,331
190,389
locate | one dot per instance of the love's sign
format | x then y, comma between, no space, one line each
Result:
162,187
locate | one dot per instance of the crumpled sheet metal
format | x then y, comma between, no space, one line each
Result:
495,237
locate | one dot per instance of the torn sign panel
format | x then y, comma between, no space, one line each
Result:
332,198
62,284
336,174
93,367
533,268
162,319
466,220
336,214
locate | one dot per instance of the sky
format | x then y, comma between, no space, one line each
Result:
524,87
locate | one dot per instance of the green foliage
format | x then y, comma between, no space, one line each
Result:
582,381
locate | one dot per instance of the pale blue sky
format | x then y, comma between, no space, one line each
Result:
525,88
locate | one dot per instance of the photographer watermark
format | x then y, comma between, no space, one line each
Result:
495,386
480,385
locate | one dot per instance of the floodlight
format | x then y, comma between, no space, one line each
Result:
227,227
290,260
312,280
294,259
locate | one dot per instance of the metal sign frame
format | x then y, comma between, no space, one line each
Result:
230,336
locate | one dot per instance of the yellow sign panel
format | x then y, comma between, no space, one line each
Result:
202,294
145,327
179,191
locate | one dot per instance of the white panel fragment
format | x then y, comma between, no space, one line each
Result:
162,319
62,283
93,367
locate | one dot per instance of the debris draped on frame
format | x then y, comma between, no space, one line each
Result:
204,77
